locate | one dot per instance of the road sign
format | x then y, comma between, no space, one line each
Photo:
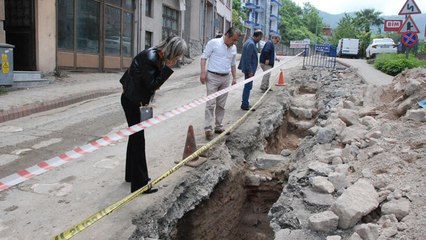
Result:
392,25
300,43
410,7
409,39
322,48
409,26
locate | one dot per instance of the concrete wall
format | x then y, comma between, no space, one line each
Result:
46,35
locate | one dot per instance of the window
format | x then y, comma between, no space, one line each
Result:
66,23
87,26
148,8
112,31
148,39
83,24
170,22
128,4
126,45
114,2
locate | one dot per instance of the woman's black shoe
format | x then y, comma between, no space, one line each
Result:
151,190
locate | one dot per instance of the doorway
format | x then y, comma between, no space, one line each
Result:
19,26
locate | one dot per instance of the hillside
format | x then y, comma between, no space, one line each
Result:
333,20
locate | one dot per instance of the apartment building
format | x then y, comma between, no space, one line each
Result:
263,15
103,35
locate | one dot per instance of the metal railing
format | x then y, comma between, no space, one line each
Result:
320,55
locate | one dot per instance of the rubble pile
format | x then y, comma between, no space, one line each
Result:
359,173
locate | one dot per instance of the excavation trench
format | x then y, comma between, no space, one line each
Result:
237,209
238,206
229,196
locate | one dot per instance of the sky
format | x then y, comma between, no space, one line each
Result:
387,7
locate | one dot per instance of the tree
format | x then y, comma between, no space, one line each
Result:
366,18
237,15
292,26
345,29
312,19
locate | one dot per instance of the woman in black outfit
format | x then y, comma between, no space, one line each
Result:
148,71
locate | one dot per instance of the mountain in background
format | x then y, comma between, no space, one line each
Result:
333,20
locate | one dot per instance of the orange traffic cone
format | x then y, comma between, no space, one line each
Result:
281,81
190,146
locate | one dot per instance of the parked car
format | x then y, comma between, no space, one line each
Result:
348,47
380,45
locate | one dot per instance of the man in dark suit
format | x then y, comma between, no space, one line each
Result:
248,65
267,60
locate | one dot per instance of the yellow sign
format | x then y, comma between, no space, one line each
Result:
4,57
5,67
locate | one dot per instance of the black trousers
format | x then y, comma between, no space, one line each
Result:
136,168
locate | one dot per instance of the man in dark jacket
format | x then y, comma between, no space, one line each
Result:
148,71
267,60
248,65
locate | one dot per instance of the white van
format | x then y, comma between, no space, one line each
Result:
348,47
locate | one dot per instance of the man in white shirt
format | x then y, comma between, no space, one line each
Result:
221,54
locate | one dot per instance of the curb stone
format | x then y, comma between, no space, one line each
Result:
32,108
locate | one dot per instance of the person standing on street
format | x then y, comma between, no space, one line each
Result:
248,65
267,60
221,54
147,72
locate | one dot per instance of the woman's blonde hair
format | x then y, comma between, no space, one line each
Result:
172,47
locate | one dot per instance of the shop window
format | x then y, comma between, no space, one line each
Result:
112,31
66,24
170,22
148,39
126,44
87,26
114,2
128,4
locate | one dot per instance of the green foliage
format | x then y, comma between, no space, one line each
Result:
364,41
345,29
3,90
297,23
236,20
422,47
394,64
237,15
312,19
366,18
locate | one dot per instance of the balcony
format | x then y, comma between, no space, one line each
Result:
276,2
249,5
259,9
250,23
273,32
274,17
259,26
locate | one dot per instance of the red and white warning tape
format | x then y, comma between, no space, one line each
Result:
78,152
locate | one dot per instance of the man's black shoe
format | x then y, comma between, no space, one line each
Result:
246,108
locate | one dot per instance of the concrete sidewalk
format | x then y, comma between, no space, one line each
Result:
367,72
73,88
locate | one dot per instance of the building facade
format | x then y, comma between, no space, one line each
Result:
263,15
103,35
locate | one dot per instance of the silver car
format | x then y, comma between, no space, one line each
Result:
380,45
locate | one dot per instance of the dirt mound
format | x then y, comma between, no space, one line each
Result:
406,90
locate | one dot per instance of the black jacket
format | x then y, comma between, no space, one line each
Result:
144,76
